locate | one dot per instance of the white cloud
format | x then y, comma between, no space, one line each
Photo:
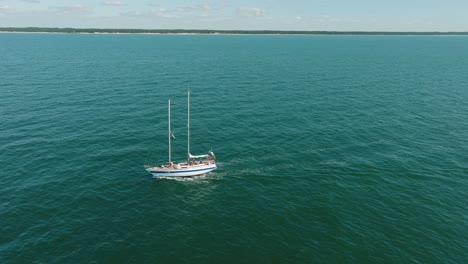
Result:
205,7
200,11
114,3
182,9
160,12
250,11
194,8
71,10
328,19
6,8
419,22
30,1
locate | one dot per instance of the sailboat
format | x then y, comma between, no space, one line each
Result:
195,165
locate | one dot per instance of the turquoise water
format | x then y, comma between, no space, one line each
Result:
331,149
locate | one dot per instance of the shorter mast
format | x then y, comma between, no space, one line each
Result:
169,124
188,126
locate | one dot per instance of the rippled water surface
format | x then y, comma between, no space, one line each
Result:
345,149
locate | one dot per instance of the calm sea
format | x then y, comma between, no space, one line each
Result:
331,149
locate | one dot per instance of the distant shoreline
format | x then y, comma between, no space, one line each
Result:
216,32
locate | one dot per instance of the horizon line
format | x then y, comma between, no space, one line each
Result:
214,31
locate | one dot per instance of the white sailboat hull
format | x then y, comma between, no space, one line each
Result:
183,171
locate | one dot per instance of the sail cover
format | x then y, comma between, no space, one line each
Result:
197,156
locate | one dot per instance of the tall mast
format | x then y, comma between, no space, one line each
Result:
169,122
188,126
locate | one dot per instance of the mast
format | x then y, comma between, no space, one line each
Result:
188,126
169,123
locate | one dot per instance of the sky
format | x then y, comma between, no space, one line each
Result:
330,15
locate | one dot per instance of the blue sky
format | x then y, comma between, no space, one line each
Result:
343,15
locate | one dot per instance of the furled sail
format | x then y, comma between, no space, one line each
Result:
197,156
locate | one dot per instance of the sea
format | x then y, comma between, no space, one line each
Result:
330,149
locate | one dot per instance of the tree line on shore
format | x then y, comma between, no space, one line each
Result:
209,31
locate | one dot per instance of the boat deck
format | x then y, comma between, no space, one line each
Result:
180,166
